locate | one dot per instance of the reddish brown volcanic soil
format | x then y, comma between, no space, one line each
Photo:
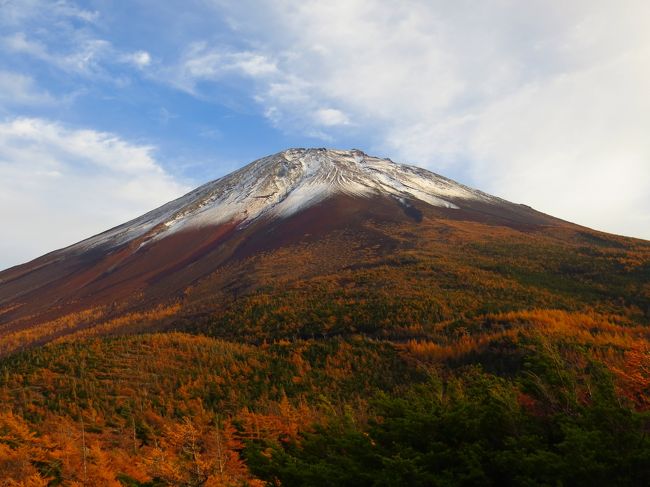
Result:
131,278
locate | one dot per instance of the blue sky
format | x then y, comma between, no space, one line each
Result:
108,109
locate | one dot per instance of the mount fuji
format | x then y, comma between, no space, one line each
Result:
281,219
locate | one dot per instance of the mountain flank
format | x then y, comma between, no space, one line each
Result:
325,317
300,198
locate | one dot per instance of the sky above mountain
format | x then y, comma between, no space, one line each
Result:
108,109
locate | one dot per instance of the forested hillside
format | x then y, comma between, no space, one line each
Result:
462,355
534,398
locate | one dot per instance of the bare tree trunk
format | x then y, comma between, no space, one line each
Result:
135,444
83,446
219,450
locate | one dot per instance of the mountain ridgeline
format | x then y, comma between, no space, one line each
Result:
324,317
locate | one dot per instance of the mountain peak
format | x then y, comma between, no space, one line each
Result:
282,184
303,151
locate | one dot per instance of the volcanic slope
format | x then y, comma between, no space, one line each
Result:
329,318
316,241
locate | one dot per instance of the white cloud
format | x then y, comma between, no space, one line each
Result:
205,63
330,117
86,57
59,185
576,144
66,9
19,43
251,64
540,102
139,59
55,32
21,11
18,89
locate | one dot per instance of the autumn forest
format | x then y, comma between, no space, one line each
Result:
460,353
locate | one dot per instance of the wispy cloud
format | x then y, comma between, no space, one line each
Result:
330,117
89,57
204,63
139,59
84,58
54,32
22,11
19,89
287,99
65,36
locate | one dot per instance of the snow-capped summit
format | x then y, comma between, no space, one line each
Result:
282,184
